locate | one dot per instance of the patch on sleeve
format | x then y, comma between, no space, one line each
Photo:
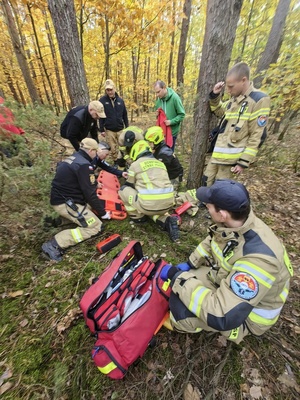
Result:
92,179
244,285
262,120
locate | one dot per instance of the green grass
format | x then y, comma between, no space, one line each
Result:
47,363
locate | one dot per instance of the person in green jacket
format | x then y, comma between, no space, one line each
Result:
170,102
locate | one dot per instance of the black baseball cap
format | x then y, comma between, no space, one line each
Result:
129,138
226,194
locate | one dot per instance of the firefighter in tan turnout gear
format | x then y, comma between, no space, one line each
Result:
148,190
237,280
242,127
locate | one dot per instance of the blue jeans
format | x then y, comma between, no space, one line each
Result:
174,142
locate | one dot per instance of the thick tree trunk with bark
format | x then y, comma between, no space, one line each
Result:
221,22
64,21
18,48
272,49
187,8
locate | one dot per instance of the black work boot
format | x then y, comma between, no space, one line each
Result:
171,226
52,250
141,220
49,222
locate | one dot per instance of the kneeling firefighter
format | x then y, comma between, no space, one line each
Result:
74,197
162,152
148,190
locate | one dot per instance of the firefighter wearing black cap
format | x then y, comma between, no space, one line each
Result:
148,190
127,139
237,280
74,197
154,135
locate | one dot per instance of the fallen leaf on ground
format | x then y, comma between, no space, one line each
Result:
67,320
4,257
191,393
150,376
23,323
289,380
4,388
222,341
16,294
6,375
255,392
168,377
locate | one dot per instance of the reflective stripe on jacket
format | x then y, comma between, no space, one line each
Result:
150,179
246,117
252,279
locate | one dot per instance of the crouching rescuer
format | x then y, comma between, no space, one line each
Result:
73,196
148,190
237,280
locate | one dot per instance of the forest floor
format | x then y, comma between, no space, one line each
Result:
45,346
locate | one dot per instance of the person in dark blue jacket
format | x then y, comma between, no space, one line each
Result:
80,122
74,197
116,118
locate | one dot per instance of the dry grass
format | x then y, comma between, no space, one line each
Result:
45,346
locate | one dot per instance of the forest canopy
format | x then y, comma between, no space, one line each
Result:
134,43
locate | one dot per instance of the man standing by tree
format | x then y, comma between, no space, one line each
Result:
116,117
242,128
171,104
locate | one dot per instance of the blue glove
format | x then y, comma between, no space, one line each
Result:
183,266
164,272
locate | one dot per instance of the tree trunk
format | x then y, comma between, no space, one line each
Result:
6,7
135,56
291,116
55,61
106,44
240,57
158,60
272,49
216,51
43,65
64,21
9,80
172,46
187,8
148,83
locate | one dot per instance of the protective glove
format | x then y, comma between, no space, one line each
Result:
185,266
164,272
106,216
168,272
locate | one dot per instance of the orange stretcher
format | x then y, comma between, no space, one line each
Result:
109,194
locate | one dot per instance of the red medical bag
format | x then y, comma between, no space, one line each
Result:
123,308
